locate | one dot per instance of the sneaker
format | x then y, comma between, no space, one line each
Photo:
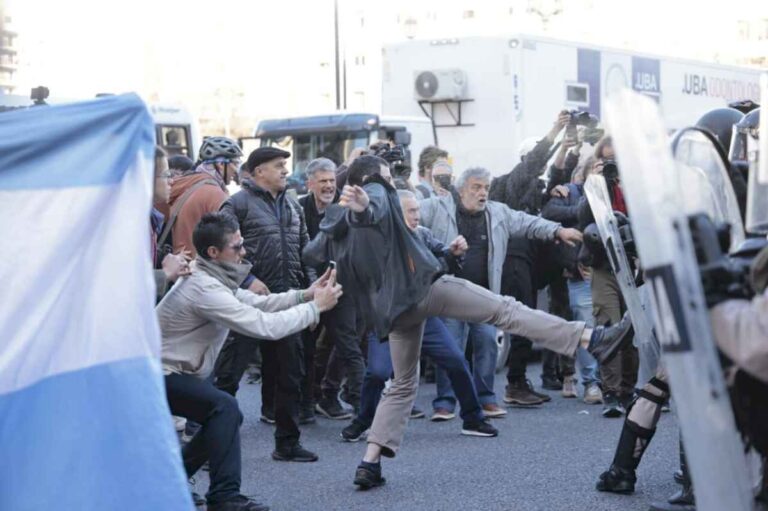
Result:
307,414
519,394
332,409
442,415
480,428
294,453
254,376
593,395
494,411
551,383
267,417
417,413
569,387
367,477
617,480
541,395
239,503
606,341
354,432
611,406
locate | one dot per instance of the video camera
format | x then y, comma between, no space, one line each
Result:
396,157
610,171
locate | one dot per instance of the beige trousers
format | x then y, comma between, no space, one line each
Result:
451,297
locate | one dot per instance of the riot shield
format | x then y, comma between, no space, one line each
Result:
757,154
600,202
703,180
653,190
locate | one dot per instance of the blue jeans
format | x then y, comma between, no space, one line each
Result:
438,344
484,354
580,297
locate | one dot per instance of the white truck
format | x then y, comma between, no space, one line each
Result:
484,95
335,135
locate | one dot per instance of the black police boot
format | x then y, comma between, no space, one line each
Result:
633,442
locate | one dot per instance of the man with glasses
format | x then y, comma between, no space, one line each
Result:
194,319
199,192
275,233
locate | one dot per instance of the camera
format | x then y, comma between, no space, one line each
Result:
589,121
610,171
396,157
38,95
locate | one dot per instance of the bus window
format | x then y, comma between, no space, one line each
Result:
174,139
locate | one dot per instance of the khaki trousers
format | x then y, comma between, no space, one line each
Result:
451,297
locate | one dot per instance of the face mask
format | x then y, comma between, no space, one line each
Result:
444,180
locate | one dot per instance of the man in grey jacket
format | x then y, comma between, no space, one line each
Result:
195,317
487,226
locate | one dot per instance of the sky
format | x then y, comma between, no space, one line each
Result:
267,57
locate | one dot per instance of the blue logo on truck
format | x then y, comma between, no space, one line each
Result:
646,76
588,71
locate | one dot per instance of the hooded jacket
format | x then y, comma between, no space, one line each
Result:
197,314
208,198
379,260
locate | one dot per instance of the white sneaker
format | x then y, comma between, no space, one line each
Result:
593,395
569,387
442,415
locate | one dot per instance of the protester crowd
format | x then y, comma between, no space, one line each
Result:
264,283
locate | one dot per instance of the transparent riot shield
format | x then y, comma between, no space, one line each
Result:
757,154
653,188
600,202
703,176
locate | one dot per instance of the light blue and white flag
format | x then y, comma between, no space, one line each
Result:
84,422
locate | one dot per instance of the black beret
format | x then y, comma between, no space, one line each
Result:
263,155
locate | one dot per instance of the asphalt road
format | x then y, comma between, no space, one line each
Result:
546,458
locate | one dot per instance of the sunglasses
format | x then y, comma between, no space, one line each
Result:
237,247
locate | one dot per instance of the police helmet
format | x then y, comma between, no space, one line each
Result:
720,123
747,126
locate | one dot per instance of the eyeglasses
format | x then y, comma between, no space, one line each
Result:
238,246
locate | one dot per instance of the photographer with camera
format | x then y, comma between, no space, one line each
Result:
619,376
428,158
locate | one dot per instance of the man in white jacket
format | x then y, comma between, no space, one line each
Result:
195,317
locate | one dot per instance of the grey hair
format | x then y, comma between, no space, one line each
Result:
478,172
406,194
318,165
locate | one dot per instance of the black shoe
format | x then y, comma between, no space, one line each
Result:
267,417
606,341
239,503
626,400
551,383
332,409
617,480
307,414
294,453
367,478
481,428
354,432
612,408
417,413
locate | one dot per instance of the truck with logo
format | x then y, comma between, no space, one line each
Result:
484,95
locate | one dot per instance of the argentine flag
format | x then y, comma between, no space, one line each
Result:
84,422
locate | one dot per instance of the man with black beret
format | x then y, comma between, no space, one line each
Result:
275,233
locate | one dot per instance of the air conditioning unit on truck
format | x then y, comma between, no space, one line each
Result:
335,136
484,95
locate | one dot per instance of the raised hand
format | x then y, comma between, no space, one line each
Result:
354,198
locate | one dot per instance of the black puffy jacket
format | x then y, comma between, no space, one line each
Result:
275,234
